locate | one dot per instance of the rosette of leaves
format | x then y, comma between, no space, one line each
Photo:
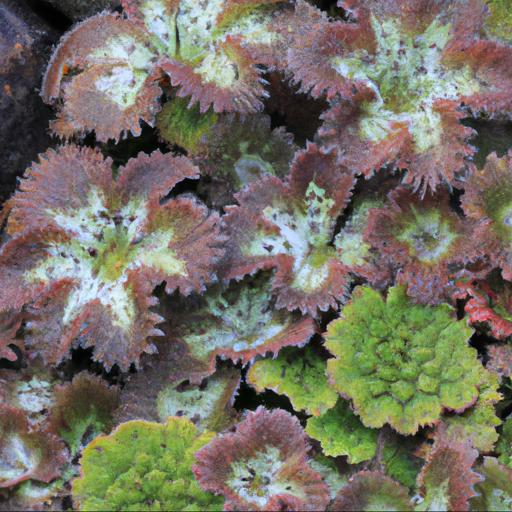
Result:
400,72
289,226
237,323
143,466
489,304
401,363
107,72
298,374
425,239
262,465
341,432
488,200
372,490
479,422
26,452
498,22
87,251
447,480
495,490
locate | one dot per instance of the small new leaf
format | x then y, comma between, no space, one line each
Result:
298,374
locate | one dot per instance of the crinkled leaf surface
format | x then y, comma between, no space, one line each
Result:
108,70
498,23
83,409
89,251
488,200
425,239
504,446
298,374
479,422
238,323
289,226
401,363
208,406
371,490
495,491
500,359
341,432
143,466
402,71
262,465
489,304
27,453
447,479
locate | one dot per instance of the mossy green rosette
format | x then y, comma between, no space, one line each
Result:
401,363
298,374
144,466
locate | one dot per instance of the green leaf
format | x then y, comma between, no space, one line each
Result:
298,374
401,363
340,432
184,126
143,466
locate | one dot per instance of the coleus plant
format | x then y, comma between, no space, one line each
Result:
397,74
425,240
236,323
289,226
108,71
487,199
88,250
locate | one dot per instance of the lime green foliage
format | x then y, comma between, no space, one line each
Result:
340,432
144,466
495,491
404,94
499,22
498,206
504,446
330,473
401,363
185,126
238,322
480,421
298,374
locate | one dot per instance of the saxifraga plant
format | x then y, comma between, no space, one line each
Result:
264,270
